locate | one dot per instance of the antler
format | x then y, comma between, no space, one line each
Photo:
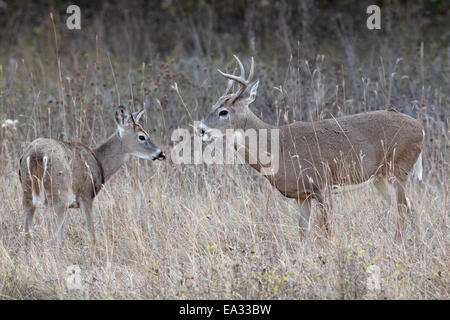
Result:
239,79
229,85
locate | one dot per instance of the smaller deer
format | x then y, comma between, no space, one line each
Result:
65,175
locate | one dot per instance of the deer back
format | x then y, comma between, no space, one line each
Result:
71,166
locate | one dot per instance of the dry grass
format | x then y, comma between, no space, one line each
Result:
199,233
167,231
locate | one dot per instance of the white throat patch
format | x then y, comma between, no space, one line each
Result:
120,131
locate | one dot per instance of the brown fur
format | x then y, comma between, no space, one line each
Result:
316,157
389,144
65,158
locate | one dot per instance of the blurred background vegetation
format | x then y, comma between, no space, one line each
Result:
145,30
314,59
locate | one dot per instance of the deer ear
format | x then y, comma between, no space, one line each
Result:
250,92
138,115
123,116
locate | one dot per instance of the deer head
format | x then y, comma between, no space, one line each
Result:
231,109
135,140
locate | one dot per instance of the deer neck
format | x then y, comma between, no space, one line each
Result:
111,155
252,122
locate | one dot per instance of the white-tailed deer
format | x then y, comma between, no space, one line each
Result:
65,175
317,158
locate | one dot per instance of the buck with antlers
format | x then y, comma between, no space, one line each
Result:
65,175
320,157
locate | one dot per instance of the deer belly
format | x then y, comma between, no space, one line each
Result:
350,187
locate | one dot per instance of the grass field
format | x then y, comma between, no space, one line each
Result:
167,231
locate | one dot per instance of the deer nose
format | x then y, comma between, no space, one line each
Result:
161,156
201,129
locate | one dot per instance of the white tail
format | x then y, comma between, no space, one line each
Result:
42,191
37,199
419,167
419,163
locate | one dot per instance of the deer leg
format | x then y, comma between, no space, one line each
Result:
324,200
404,211
86,207
381,185
394,193
61,217
387,191
304,219
29,215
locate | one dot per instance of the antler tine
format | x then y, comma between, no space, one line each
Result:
252,68
240,79
233,77
241,66
229,85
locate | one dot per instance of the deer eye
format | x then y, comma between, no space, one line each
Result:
223,113
141,137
